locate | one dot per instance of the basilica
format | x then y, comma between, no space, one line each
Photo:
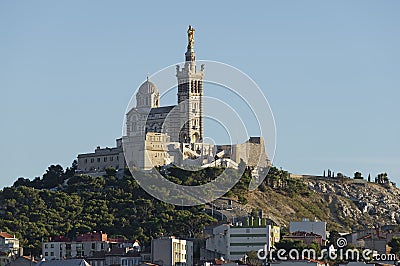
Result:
157,135
160,135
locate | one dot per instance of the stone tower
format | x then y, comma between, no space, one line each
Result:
190,96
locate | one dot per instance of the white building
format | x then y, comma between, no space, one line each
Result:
84,246
171,251
130,261
101,159
316,227
232,242
9,248
9,243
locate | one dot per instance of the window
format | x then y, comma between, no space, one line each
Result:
52,245
45,246
52,254
98,160
111,158
92,160
93,245
46,254
85,160
105,159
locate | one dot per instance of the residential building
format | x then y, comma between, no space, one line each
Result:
372,238
9,243
9,248
233,241
84,246
133,260
97,258
171,251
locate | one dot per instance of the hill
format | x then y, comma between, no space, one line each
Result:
62,203
346,205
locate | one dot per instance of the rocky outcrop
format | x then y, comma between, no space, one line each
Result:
345,205
359,201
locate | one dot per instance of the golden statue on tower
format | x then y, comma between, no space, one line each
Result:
190,37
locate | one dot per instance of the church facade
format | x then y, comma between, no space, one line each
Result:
157,135
160,135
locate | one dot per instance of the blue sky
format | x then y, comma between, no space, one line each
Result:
330,71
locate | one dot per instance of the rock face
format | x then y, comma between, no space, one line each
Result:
345,205
359,201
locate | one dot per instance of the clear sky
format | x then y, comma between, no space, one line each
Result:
330,71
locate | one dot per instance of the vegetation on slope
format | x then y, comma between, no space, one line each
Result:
62,203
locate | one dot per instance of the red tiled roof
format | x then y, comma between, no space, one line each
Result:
317,261
6,235
29,258
301,233
218,262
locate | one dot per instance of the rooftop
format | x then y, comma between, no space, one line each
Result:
6,235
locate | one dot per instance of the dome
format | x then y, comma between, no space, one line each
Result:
148,87
148,95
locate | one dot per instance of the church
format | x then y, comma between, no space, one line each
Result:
156,135
160,135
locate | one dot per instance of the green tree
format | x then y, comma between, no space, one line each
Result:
54,176
252,259
358,175
290,244
315,246
394,244
333,236
22,182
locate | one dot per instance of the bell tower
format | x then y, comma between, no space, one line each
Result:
190,95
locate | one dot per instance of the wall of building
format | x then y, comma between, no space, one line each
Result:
62,250
234,241
170,251
102,158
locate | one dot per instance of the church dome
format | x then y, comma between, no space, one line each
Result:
148,87
148,95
